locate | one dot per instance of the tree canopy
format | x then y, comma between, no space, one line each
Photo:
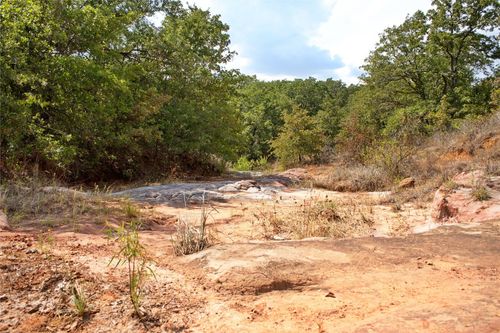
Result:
94,89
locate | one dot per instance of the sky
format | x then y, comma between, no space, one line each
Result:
287,39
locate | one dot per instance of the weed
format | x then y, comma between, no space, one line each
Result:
45,242
133,253
480,193
79,300
131,211
450,185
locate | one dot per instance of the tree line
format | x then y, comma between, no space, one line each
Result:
93,89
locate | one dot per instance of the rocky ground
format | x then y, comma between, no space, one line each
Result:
440,274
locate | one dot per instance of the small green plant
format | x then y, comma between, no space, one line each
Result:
480,193
133,253
244,164
79,300
131,211
45,242
450,185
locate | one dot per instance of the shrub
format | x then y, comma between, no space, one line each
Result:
243,164
392,156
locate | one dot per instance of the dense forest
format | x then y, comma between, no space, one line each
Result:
93,89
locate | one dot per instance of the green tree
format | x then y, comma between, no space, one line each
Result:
299,140
261,105
463,41
91,89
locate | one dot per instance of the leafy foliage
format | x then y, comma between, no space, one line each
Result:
299,140
94,90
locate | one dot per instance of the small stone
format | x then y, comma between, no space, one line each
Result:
331,295
407,182
228,188
3,298
34,308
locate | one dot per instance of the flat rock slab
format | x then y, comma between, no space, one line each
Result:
442,281
261,188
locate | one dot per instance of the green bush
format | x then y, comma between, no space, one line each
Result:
243,164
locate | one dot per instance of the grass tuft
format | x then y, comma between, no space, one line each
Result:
79,300
480,193
190,238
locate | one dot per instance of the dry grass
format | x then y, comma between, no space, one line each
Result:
49,205
354,179
192,237
317,219
474,145
399,227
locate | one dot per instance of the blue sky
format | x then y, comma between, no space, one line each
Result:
286,39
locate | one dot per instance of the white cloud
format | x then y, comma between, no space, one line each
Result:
353,29
274,77
239,61
348,31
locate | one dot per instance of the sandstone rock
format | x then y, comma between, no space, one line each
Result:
241,185
458,205
253,189
407,182
152,195
227,188
245,184
469,179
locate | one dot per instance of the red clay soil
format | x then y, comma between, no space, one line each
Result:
446,280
